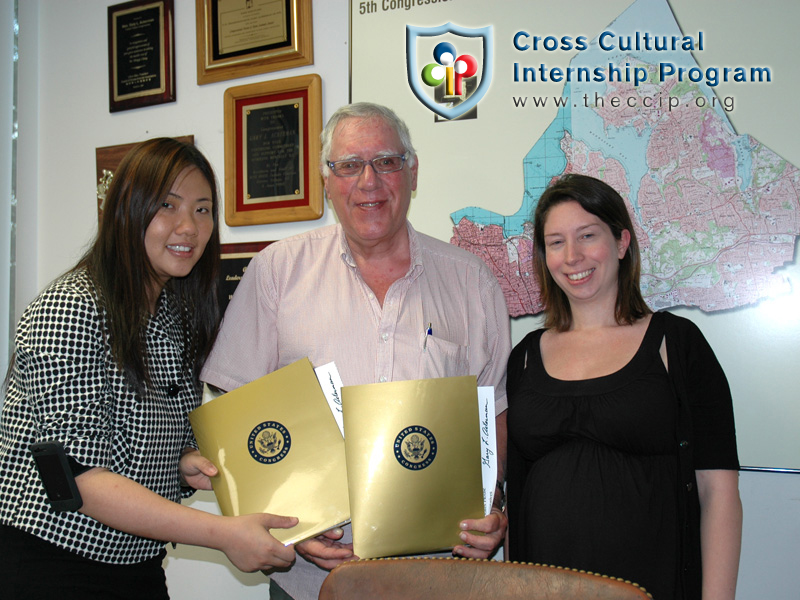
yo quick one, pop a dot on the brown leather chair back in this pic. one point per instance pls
(467, 579)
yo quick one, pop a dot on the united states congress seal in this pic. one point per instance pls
(269, 442)
(415, 447)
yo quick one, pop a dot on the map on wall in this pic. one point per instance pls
(695, 130)
(716, 213)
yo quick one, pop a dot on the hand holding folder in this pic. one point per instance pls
(413, 464)
(409, 470)
(278, 450)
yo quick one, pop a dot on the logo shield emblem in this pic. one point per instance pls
(487, 37)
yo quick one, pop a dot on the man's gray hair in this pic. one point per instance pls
(364, 110)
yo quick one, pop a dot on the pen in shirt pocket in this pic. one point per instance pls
(428, 333)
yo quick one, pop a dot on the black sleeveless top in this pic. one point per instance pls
(602, 468)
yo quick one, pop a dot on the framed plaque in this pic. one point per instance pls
(238, 38)
(107, 160)
(272, 151)
(141, 54)
(235, 258)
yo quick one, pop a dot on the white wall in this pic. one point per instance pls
(771, 536)
(6, 112)
(27, 275)
(64, 116)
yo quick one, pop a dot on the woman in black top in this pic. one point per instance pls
(622, 449)
(106, 362)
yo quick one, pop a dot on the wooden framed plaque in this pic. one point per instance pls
(141, 54)
(235, 258)
(238, 38)
(272, 150)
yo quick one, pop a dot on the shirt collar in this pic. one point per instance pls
(413, 245)
(344, 247)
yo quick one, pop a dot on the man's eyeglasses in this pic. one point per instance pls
(353, 167)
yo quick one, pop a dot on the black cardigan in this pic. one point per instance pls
(704, 399)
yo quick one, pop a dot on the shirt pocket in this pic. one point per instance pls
(441, 358)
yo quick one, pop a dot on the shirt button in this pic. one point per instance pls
(370, 295)
(382, 379)
(385, 337)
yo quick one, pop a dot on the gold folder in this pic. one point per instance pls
(413, 463)
(278, 450)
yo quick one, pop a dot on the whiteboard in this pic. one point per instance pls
(478, 162)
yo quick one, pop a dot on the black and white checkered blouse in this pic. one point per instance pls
(66, 386)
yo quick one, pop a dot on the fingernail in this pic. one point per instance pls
(463, 526)
(463, 536)
(338, 531)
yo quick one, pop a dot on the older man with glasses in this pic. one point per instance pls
(382, 301)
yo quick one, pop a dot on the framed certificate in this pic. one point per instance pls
(141, 54)
(235, 258)
(238, 38)
(272, 150)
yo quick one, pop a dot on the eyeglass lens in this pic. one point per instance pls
(355, 166)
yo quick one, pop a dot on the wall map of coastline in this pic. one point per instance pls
(716, 213)
(708, 167)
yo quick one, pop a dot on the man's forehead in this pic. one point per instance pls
(367, 127)
(371, 134)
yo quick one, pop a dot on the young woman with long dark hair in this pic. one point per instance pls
(106, 363)
(622, 450)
